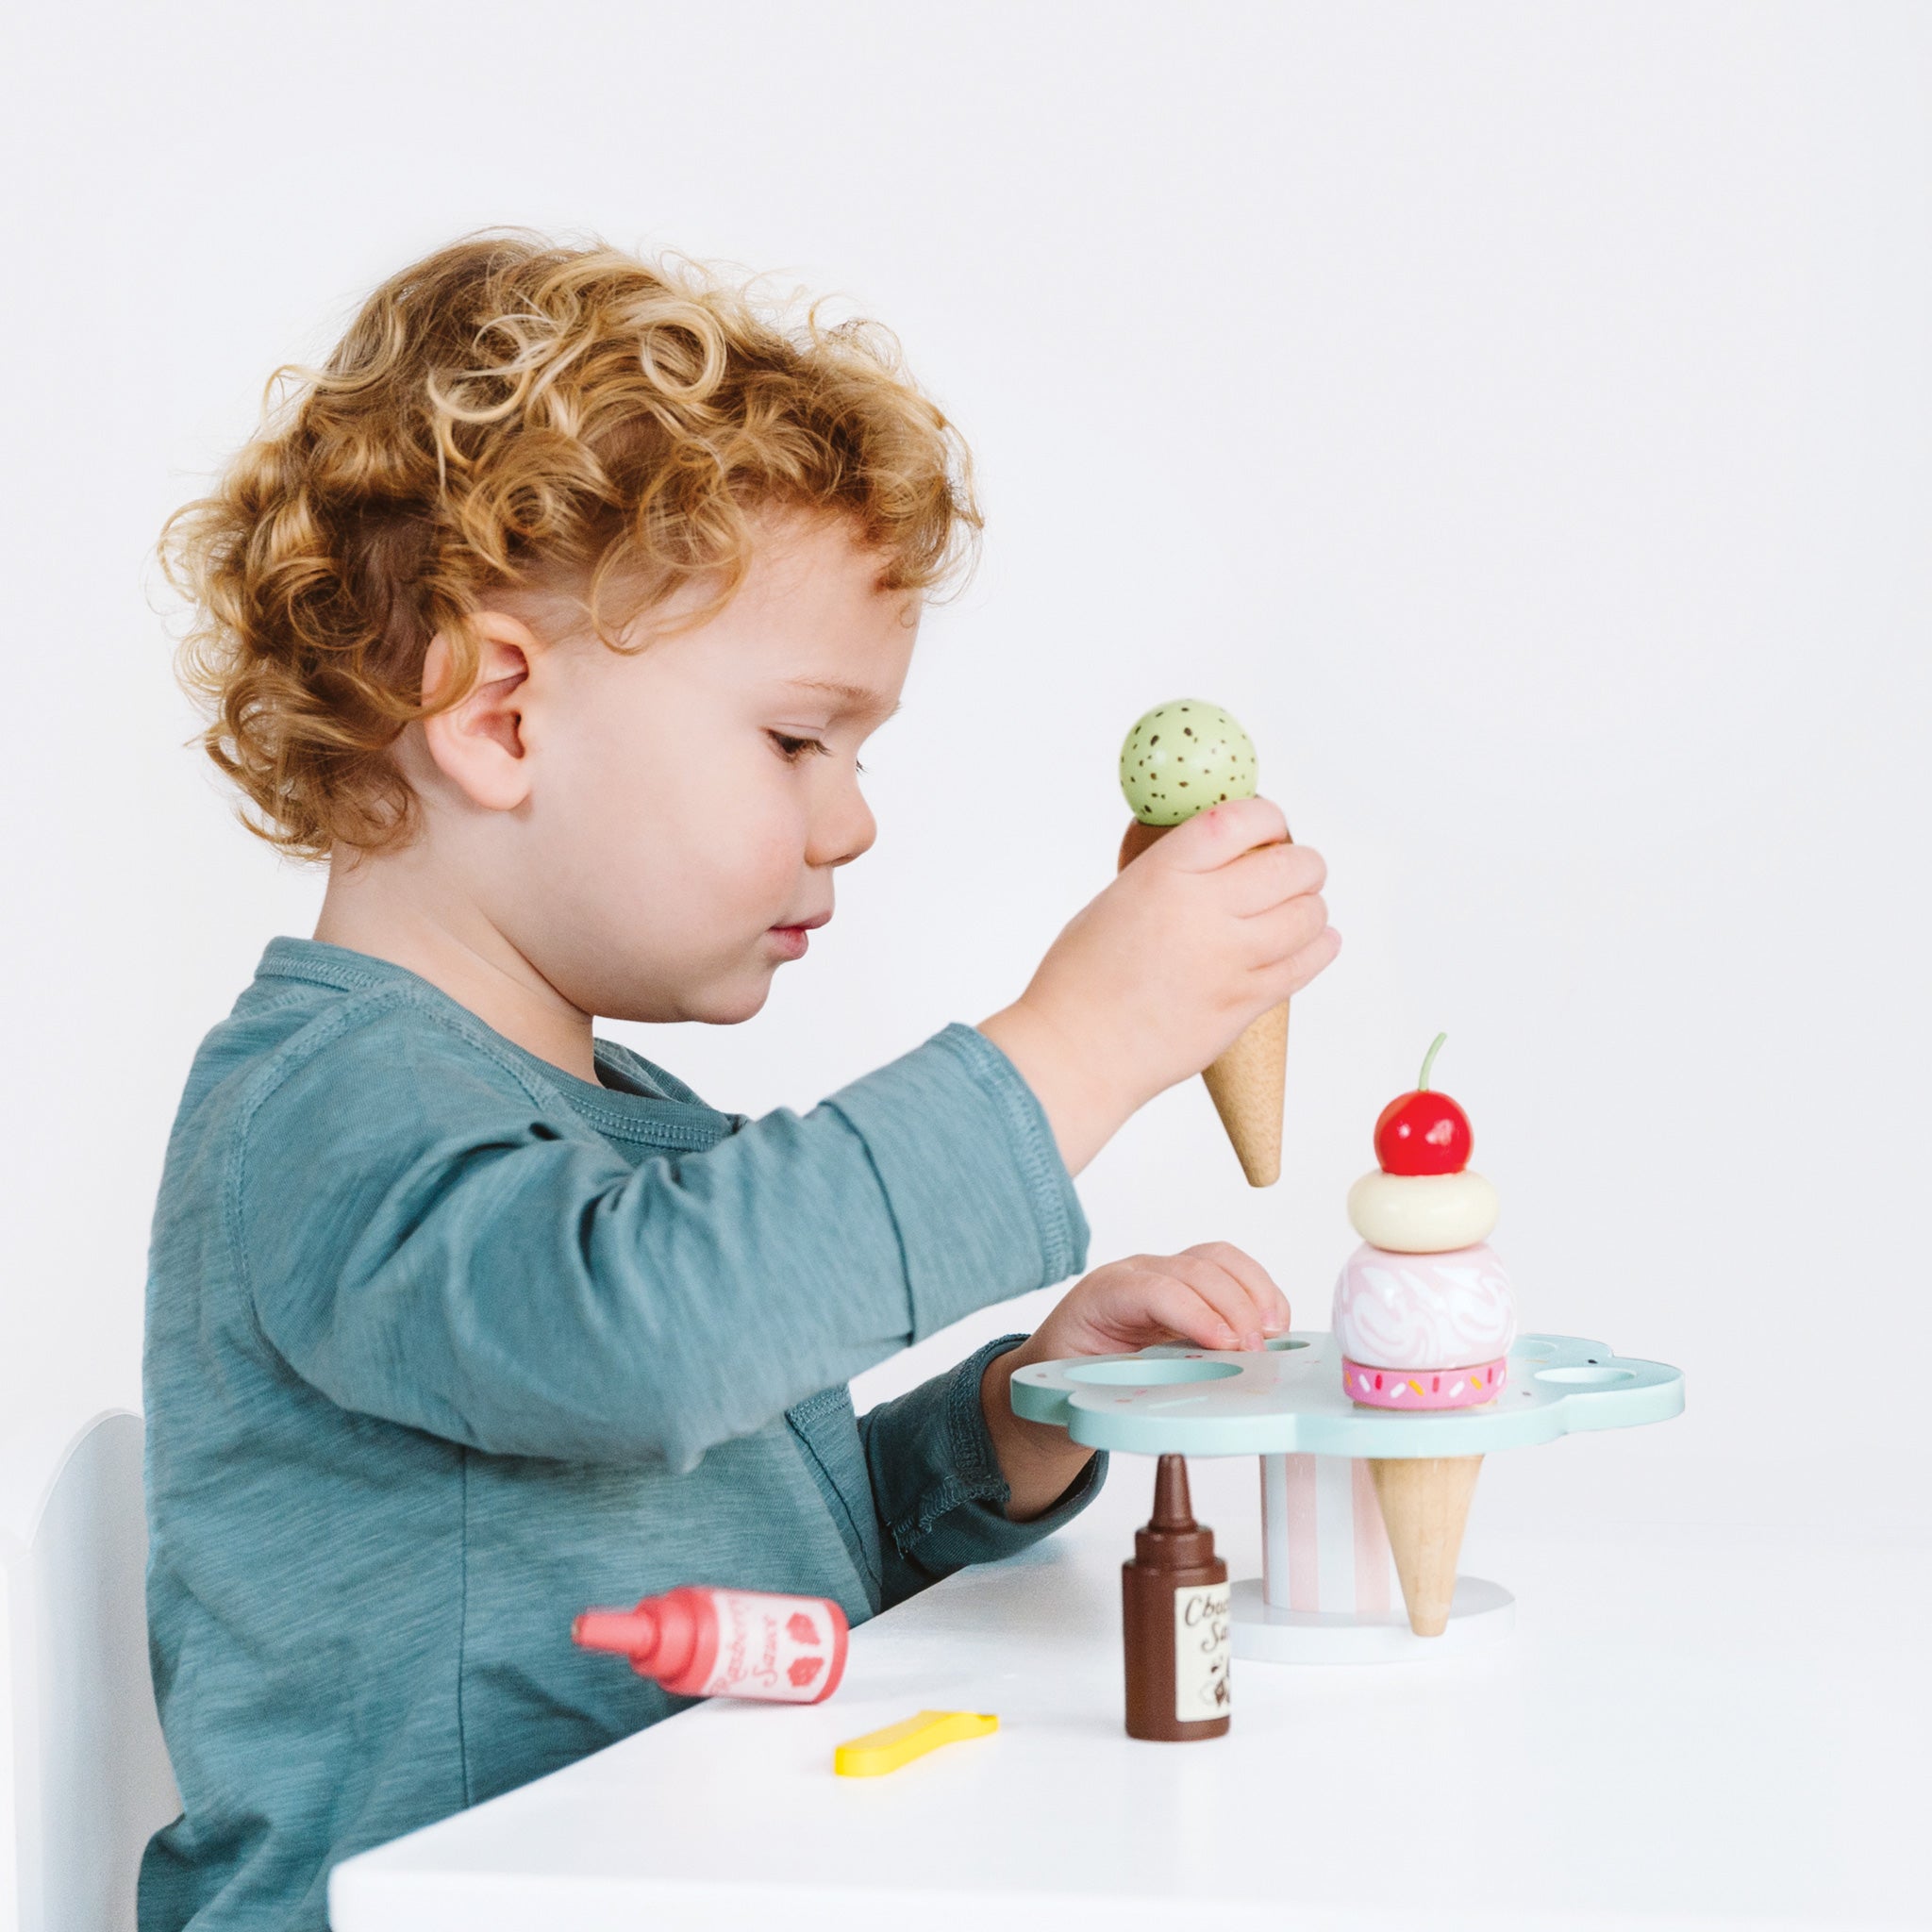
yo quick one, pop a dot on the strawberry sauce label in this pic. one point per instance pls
(779, 1647)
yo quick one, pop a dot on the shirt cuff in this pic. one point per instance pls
(960, 1517)
(983, 1203)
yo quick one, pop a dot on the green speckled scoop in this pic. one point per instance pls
(1181, 758)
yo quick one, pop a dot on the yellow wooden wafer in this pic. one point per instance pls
(878, 1752)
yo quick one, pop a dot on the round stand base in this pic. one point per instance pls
(1481, 1613)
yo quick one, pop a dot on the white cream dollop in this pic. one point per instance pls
(1423, 1213)
(1423, 1311)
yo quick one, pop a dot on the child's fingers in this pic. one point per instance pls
(1224, 1293)
(1269, 1302)
(1268, 877)
(1178, 1309)
(1212, 838)
(1287, 977)
(1283, 931)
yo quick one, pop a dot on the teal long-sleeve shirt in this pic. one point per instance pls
(445, 1344)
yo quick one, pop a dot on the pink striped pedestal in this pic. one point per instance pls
(1328, 1591)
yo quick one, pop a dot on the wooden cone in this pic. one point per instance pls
(1424, 1504)
(1249, 1081)
(1136, 839)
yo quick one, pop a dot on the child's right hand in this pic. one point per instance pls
(1201, 934)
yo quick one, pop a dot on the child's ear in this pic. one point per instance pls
(478, 742)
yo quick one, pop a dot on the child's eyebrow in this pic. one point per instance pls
(861, 698)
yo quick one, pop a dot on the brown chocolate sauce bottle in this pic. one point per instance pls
(1174, 1609)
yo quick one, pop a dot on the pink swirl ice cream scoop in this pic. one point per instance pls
(1423, 1311)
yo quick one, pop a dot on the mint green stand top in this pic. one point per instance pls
(1287, 1399)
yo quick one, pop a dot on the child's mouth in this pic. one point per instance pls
(793, 940)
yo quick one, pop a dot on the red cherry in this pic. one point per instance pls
(1424, 1132)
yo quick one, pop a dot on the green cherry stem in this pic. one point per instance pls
(1428, 1061)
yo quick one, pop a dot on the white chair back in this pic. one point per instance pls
(90, 1771)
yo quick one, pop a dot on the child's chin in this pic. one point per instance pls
(733, 1005)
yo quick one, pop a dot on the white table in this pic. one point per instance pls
(1683, 1731)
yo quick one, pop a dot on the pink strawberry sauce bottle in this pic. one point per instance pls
(701, 1642)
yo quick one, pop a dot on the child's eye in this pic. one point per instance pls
(793, 749)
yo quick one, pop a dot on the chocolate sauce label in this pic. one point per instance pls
(1202, 1646)
(771, 1646)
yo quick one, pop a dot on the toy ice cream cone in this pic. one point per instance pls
(1424, 1504)
(1180, 758)
(1424, 1316)
(1248, 1082)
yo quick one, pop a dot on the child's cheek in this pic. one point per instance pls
(755, 837)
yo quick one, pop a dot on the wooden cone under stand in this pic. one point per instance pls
(1424, 1504)
(1249, 1082)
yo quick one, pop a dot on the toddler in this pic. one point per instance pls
(552, 615)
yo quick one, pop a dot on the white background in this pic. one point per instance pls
(1517, 415)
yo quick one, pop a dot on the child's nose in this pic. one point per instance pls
(844, 830)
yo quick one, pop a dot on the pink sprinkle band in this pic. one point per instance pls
(1423, 1387)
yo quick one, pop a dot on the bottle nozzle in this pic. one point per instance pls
(1173, 1508)
(628, 1633)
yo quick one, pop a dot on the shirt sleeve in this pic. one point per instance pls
(424, 1240)
(937, 1486)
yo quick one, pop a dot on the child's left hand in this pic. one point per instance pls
(1212, 1295)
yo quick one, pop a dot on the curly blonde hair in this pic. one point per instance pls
(509, 410)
